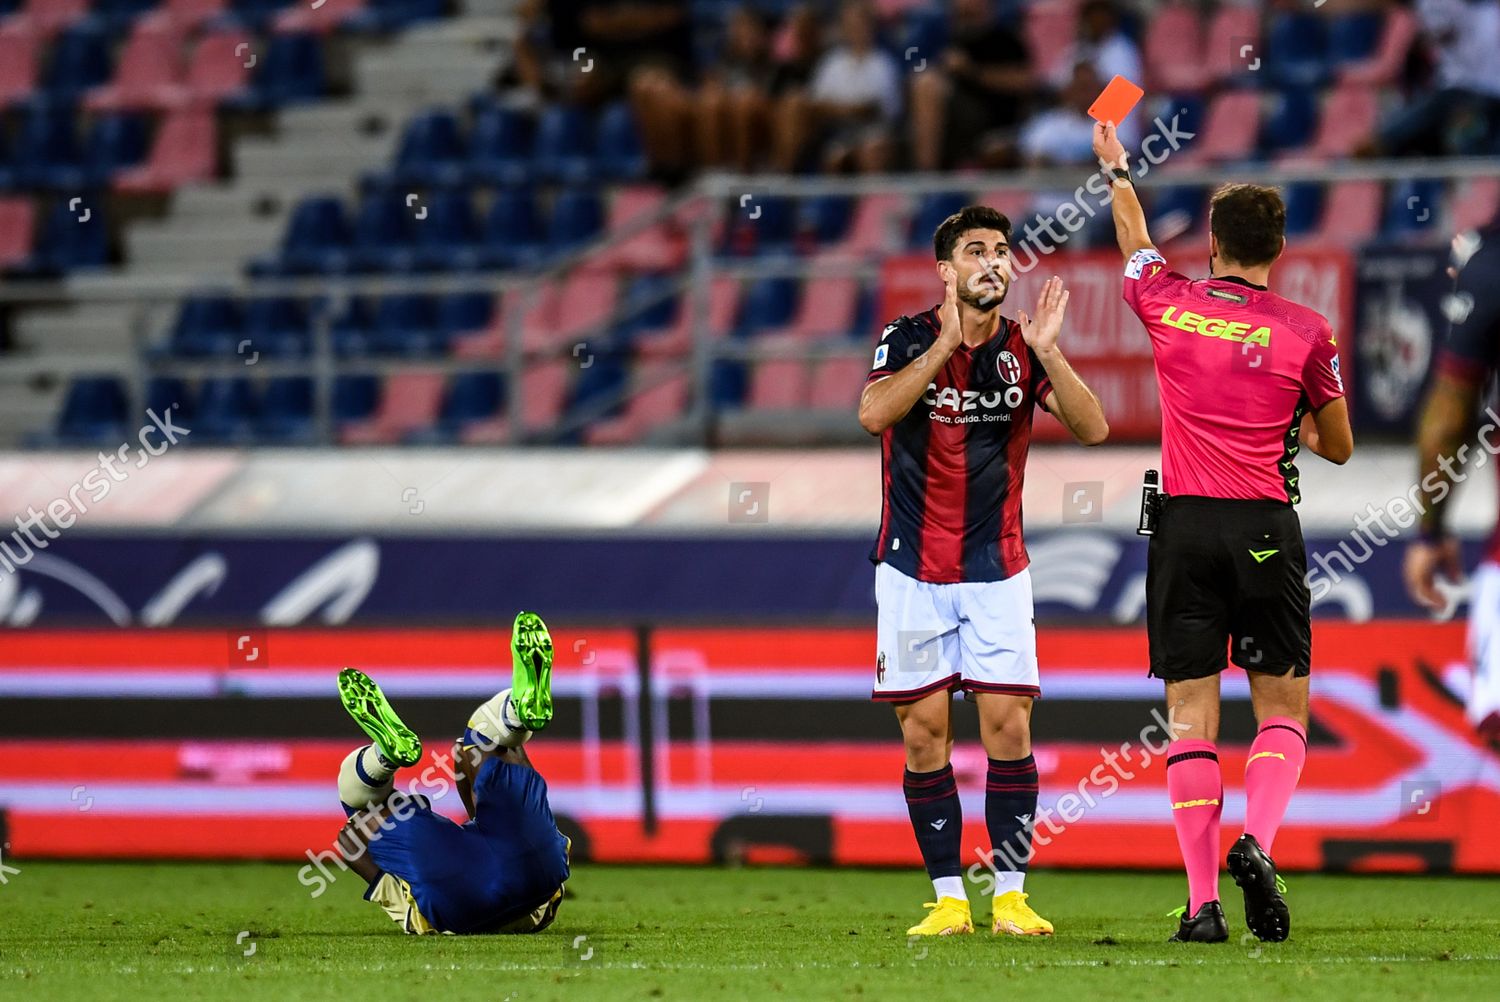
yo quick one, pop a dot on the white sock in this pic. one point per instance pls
(1008, 880)
(354, 791)
(949, 887)
(496, 722)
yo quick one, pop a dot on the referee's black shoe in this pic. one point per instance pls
(1208, 926)
(1265, 910)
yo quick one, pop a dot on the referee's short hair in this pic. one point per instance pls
(970, 217)
(1249, 221)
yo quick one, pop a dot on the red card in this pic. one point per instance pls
(1117, 101)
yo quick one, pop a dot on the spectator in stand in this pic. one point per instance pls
(1458, 113)
(1063, 136)
(798, 50)
(851, 106)
(1104, 44)
(969, 101)
(734, 104)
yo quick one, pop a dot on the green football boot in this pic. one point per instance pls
(372, 712)
(531, 671)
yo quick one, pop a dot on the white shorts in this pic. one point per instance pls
(974, 635)
(1484, 642)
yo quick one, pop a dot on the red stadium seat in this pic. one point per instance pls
(1014, 202)
(1231, 29)
(779, 384)
(411, 401)
(18, 65)
(17, 222)
(878, 227)
(1050, 30)
(1229, 130)
(827, 309)
(493, 431)
(1173, 47)
(586, 308)
(219, 67)
(488, 342)
(1352, 211)
(45, 18)
(303, 18)
(1349, 116)
(1385, 67)
(539, 317)
(185, 15)
(662, 396)
(544, 391)
(723, 303)
(657, 249)
(150, 72)
(1476, 202)
(837, 382)
(185, 152)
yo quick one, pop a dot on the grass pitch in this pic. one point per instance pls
(251, 932)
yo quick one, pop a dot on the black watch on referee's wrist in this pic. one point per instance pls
(1121, 176)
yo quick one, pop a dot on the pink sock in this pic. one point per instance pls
(1196, 788)
(1271, 774)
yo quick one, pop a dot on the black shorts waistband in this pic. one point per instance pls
(1233, 504)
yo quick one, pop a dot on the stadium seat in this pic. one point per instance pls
(255, 14)
(185, 151)
(353, 329)
(287, 412)
(410, 401)
(17, 225)
(355, 398)
(1049, 29)
(1172, 52)
(931, 211)
(879, 223)
(278, 327)
(1386, 65)
(463, 313)
(317, 240)
(826, 309)
(1351, 212)
(186, 15)
(43, 19)
(823, 221)
(657, 248)
(471, 397)
(544, 391)
(381, 16)
(384, 238)
(500, 148)
(1413, 208)
(119, 16)
(320, 20)
(1349, 117)
(1176, 211)
(723, 308)
(432, 151)
(1355, 36)
(621, 157)
(79, 61)
(837, 382)
(1476, 202)
(94, 410)
(226, 413)
(70, 240)
(488, 341)
(577, 220)
(150, 73)
(1229, 131)
(1233, 43)
(219, 68)
(169, 393)
(660, 394)
(761, 226)
(1292, 118)
(564, 150)
(406, 325)
(290, 71)
(779, 384)
(1296, 49)
(770, 304)
(46, 153)
(512, 235)
(18, 65)
(1304, 206)
(448, 238)
(207, 326)
(586, 307)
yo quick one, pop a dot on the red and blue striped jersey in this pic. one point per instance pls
(952, 469)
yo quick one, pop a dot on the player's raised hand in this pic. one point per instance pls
(1042, 332)
(1107, 146)
(952, 327)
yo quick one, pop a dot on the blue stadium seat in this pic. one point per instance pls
(500, 150)
(255, 14)
(115, 142)
(564, 145)
(393, 15)
(650, 304)
(286, 412)
(46, 149)
(931, 211)
(318, 240)
(208, 326)
(727, 382)
(406, 324)
(69, 241)
(825, 218)
(1292, 120)
(924, 29)
(577, 219)
(512, 231)
(621, 156)
(94, 410)
(1177, 209)
(353, 329)
(769, 303)
(602, 381)
(1355, 36)
(355, 398)
(448, 239)
(384, 238)
(1304, 208)
(80, 60)
(291, 72)
(119, 15)
(1296, 49)
(432, 151)
(763, 226)
(1414, 208)
(471, 397)
(226, 413)
(464, 312)
(277, 327)
(864, 313)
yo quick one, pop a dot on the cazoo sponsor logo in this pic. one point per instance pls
(952, 406)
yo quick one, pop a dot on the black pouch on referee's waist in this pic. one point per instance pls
(1152, 501)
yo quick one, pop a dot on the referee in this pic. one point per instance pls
(1247, 380)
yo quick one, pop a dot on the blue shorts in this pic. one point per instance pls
(488, 873)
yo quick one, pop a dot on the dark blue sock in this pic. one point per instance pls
(938, 819)
(1010, 810)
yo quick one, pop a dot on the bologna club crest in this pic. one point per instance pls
(1010, 368)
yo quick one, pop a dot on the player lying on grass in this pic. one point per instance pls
(501, 871)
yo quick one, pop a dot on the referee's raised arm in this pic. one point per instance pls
(1130, 218)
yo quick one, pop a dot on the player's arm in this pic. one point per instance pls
(887, 400)
(1447, 418)
(466, 762)
(1071, 401)
(1326, 432)
(1125, 205)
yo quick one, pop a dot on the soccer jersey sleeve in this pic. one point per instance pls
(1144, 270)
(1472, 348)
(1321, 379)
(899, 344)
(1041, 385)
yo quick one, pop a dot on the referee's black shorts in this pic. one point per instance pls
(1227, 575)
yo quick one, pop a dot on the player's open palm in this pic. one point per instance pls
(1041, 332)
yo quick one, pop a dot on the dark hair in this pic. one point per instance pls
(1249, 221)
(970, 217)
